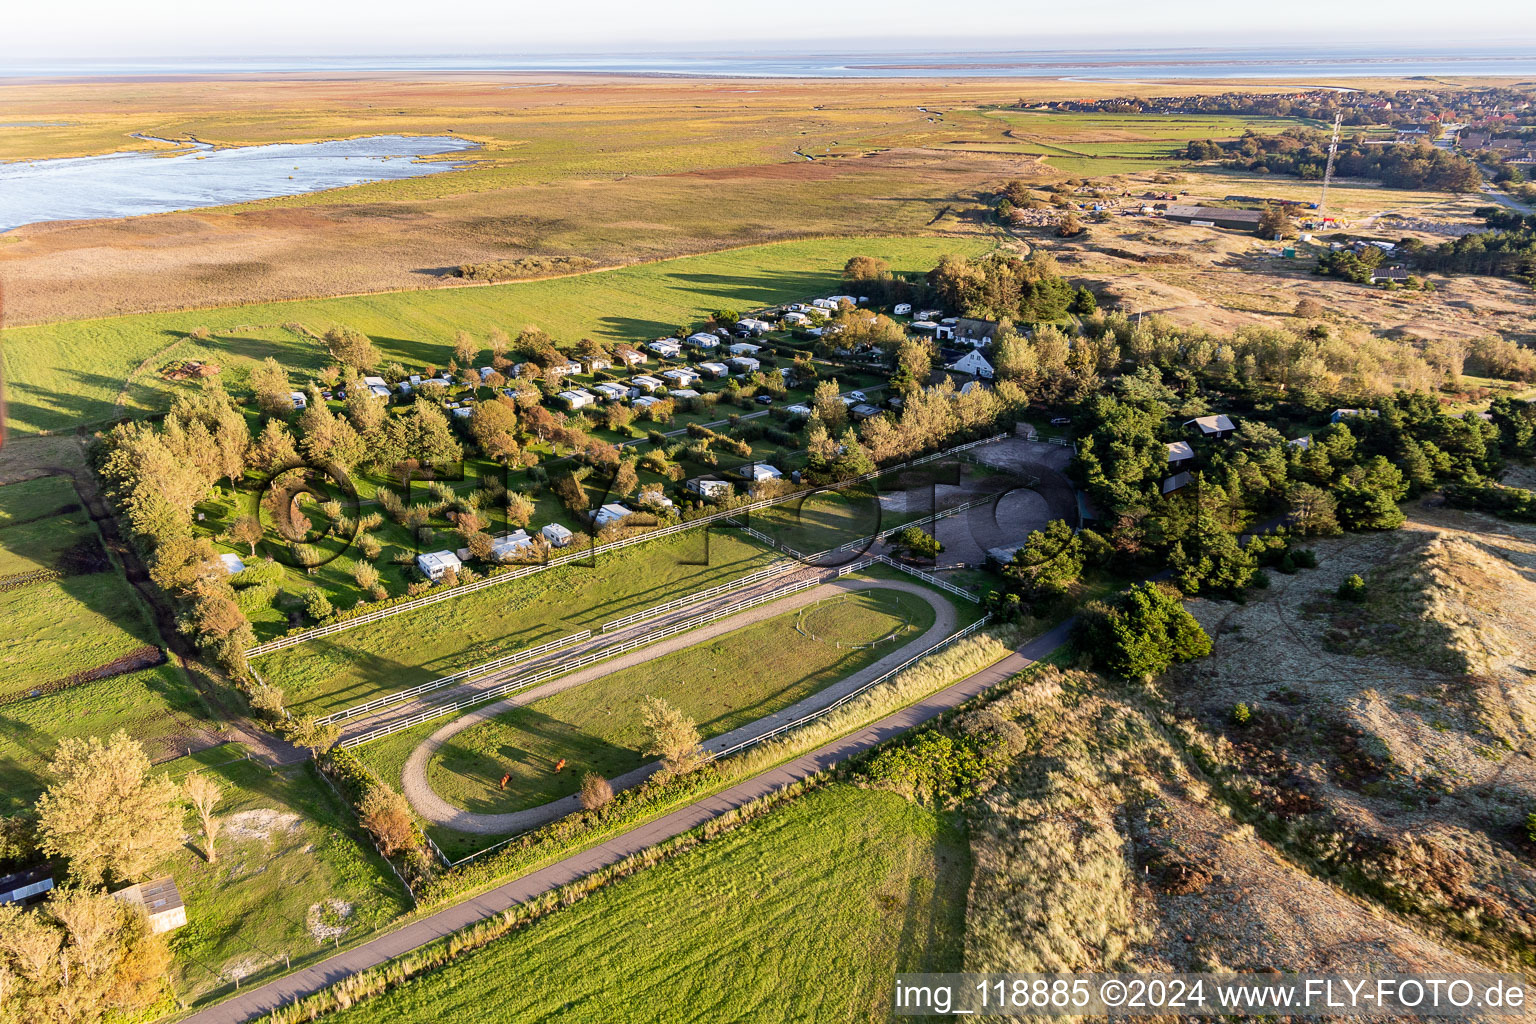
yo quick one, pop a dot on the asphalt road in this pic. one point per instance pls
(265, 998)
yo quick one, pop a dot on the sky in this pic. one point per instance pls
(84, 29)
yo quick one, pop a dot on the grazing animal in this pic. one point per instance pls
(504, 779)
(558, 765)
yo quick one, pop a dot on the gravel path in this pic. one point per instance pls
(265, 998)
(418, 790)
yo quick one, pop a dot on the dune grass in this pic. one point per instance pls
(86, 617)
(722, 684)
(417, 646)
(62, 375)
(803, 915)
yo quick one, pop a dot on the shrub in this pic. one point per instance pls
(1241, 715)
(385, 813)
(1141, 633)
(317, 606)
(596, 792)
(1352, 589)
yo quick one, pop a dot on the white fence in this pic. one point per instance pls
(935, 517)
(516, 657)
(702, 595)
(928, 577)
(379, 614)
(566, 667)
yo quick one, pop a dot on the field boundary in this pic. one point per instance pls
(378, 615)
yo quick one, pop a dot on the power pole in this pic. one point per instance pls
(1333, 153)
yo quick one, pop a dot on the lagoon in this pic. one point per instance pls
(198, 174)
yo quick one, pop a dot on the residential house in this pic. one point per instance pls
(598, 363)
(975, 333)
(579, 398)
(1217, 426)
(703, 342)
(753, 325)
(682, 375)
(864, 411)
(435, 564)
(1179, 453)
(744, 364)
(684, 393)
(631, 357)
(761, 471)
(644, 401)
(796, 319)
(665, 347)
(557, 535)
(1340, 415)
(462, 412)
(375, 382)
(714, 371)
(743, 348)
(160, 900)
(973, 363)
(1301, 442)
(1389, 275)
(647, 383)
(610, 514)
(611, 391)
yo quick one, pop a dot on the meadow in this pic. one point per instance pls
(722, 684)
(293, 877)
(846, 887)
(65, 375)
(348, 667)
(81, 619)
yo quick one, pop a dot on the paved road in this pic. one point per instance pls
(268, 997)
(418, 788)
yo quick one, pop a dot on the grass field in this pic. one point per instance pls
(85, 618)
(288, 847)
(157, 706)
(348, 667)
(59, 376)
(803, 916)
(721, 684)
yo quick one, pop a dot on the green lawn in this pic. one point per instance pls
(417, 646)
(87, 617)
(64, 374)
(722, 684)
(803, 916)
(288, 847)
(157, 706)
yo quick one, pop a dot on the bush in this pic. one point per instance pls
(317, 606)
(596, 792)
(1241, 715)
(1141, 633)
(933, 766)
(1352, 589)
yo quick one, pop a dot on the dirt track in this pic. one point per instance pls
(439, 811)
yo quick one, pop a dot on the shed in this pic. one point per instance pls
(557, 535)
(25, 886)
(435, 564)
(160, 900)
(1214, 216)
(1219, 425)
(864, 411)
(1176, 481)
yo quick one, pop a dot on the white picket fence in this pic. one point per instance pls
(474, 671)
(703, 595)
(613, 651)
(379, 614)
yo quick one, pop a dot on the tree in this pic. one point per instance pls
(352, 347)
(498, 342)
(673, 737)
(494, 428)
(314, 737)
(204, 794)
(625, 479)
(866, 268)
(1084, 303)
(1312, 511)
(596, 791)
(1048, 564)
(827, 404)
(247, 530)
(385, 813)
(105, 813)
(274, 449)
(1274, 222)
(918, 543)
(365, 576)
(269, 383)
(1142, 633)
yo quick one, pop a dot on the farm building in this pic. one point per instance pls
(1214, 217)
(160, 900)
(708, 486)
(25, 886)
(434, 564)
(1179, 452)
(973, 363)
(703, 342)
(744, 364)
(610, 514)
(1217, 426)
(510, 546)
(232, 563)
(557, 535)
(714, 371)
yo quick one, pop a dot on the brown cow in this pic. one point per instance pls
(504, 780)
(558, 765)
